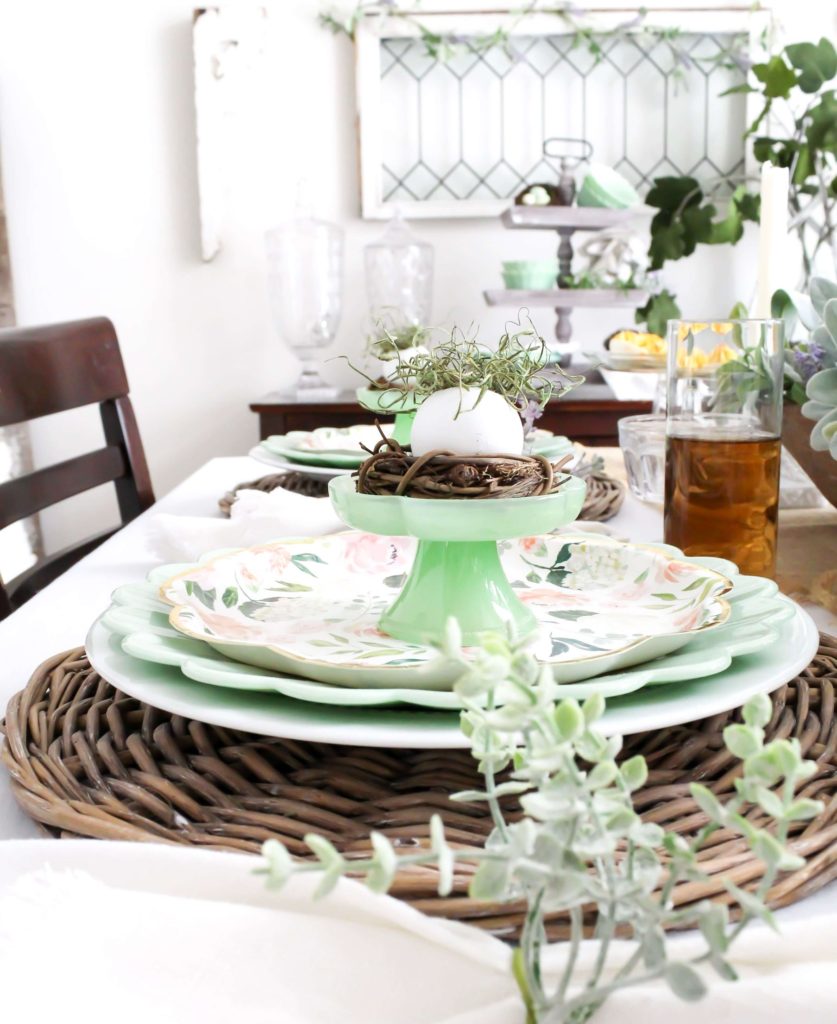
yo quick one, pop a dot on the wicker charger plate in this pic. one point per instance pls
(88, 761)
(603, 500)
(310, 486)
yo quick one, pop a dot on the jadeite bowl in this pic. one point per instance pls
(401, 404)
(604, 187)
(535, 275)
(456, 519)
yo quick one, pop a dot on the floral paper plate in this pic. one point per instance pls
(334, 440)
(652, 707)
(140, 619)
(338, 447)
(311, 607)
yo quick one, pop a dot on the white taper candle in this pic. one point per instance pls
(773, 235)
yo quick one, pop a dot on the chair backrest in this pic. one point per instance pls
(45, 370)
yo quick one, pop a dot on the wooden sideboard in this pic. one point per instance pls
(588, 415)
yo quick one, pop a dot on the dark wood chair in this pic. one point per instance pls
(45, 370)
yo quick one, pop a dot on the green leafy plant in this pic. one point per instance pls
(657, 311)
(797, 79)
(579, 842)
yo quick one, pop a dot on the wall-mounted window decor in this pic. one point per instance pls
(460, 135)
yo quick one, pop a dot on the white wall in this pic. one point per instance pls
(98, 147)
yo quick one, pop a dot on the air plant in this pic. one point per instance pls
(519, 369)
(471, 396)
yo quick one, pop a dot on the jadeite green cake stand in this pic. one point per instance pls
(457, 570)
(401, 404)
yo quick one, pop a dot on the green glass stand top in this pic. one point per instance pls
(400, 403)
(457, 570)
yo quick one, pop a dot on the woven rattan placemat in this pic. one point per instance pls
(88, 761)
(603, 500)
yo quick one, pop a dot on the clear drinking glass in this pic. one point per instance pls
(723, 447)
(643, 443)
(305, 281)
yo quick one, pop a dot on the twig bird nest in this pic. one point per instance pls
(439, 474)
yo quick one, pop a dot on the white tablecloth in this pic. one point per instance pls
(174, 934)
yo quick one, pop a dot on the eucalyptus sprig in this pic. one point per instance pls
(579, 842)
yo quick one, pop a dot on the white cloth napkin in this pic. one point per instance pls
(94, 932)
(255, 518)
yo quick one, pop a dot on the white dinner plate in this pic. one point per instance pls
(654, 707)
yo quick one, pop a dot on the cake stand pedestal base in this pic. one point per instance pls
(460, 579)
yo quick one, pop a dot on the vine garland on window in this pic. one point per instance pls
(573, 20)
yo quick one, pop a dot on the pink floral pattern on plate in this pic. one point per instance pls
(320, 599)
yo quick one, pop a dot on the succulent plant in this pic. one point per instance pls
(813, 364)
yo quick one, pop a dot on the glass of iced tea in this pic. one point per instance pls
(723, 440)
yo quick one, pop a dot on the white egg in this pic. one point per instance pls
(489, 426)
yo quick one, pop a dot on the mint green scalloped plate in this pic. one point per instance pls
(140, 619)
(653, 707)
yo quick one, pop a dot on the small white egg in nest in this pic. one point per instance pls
(483, 426)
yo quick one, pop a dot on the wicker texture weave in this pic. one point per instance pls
(603, 499)
(441, 474)
(299, 483)
(88, 761)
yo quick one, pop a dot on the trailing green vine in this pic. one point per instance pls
(577, 844)
(573, 20)
(519, 367)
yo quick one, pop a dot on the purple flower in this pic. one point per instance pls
(809, 360)
(530, 410)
